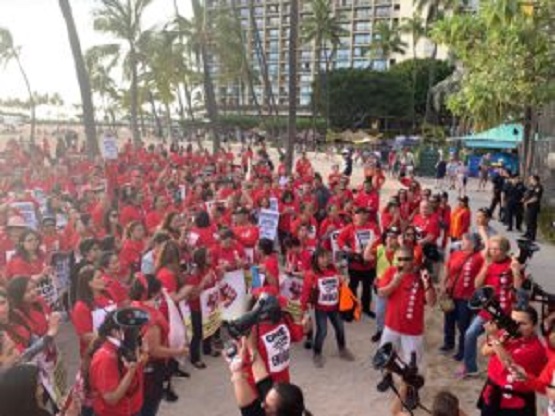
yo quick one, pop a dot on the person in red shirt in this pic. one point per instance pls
(228, 254)
(506, 394)
(245, 232)
(52, 240)
(303, 167)
(146, 292)
(426, 223)
(268, 265)
(407, 293)
(391, 216)
(115, 384)
(116, 287)
(131, 206)
(321, 292)
(458, 284)
(201, 277)
(8, 241)
(504, 275)
(111, 225)
(29, 260)
(159, 210)
(368, 198)
(460, 219)
(203, 232)
(353, 239)
(132, 248)
(93, 303)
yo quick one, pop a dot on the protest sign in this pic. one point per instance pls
(364, 237)
(277, 343)
(27, 212)
(233, 295)
(109, 147)
(211, 311)
(268, 221)
(274, 204)
(291, 287)
(328, 291)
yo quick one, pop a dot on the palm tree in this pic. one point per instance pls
(9, 52)
(122, 20)
(322, 28)
(292, 119)
(83, 78)
(386, 42)
(414, 26)
(433, 10)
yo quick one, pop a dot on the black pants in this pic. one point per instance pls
(154, 376)
(322, 329)
(196, 338)
(366, 277)
(513, 214)
(496, 200)
(532, 222)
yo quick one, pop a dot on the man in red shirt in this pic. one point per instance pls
(368, 198)
(427, 223)
(407, 293)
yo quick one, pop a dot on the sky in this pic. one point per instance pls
(38, 27)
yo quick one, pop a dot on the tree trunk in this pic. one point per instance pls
(134, 95)
(209, 96)
(414, 75)
(168, 121)
(292, 120)
(180, 104)
(431, 80)
(142, 120)
(32, 104)
(189, 100)
(159, 131)
(83, 78)
(527, 137)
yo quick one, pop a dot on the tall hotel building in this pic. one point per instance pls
(356, 17)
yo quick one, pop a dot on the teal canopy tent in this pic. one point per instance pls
(505, 136)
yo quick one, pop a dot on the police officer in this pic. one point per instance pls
(532, 204)
(513, 194)
(498, 182)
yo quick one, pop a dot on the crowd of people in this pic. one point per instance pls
(150, 241)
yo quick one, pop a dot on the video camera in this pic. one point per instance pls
(484, 299)
(266, 308)
(527, 248)
(386, 358)
(130, 320)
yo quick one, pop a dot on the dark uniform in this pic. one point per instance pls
(533, 210)
(514, 193)
(498, 182)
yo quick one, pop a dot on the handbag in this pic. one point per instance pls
(445, 301)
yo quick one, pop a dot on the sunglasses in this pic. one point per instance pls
(404, 259)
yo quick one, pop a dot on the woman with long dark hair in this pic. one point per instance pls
(28, 260)
(111, 225)
(133, 248)
(146, 293)
(92, 304)
(171, 224)
(116, 284)
(114, 383)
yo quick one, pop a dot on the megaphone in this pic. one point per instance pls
(484, 299)
(130, 320)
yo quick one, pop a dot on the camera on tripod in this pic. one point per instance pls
(387, 359)
(484, 299)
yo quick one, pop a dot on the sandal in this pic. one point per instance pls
(199, 365)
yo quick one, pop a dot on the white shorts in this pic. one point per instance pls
(403, 344)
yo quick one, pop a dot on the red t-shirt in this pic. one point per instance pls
(500, 277)
(246, 235)
(405, 305)
(105, 375)
(463, 270)
(18, 266)
(428, 226)
(82, 319)
(130, 255)
(325, 287)
(272, 267)
(526, 353)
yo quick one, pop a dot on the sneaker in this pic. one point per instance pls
(462, 374)
(346, 354)
(385, 383)
(458, 357)
(318, 360)
(444, 349)
(370, 314)
(376, 337)
(170, 395)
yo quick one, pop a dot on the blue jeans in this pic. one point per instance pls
(381, 304)
(321, 318)
(471, 343)
(459, 317)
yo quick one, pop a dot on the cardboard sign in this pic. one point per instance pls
(28, 213)
(364, 237)
(109, 148)
(291, 287)
(328, 291)
(233, 295)
(211, 311)
(268, 221)
(61, 265)
(274, 204)
(278, 344)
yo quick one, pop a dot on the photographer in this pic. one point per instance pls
(504, 394)
(503, 274)
(268, 399)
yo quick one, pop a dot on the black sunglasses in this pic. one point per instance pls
(404, 259)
